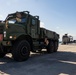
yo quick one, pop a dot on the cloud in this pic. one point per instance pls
(42, 24)
(1, 17)
(60, 37)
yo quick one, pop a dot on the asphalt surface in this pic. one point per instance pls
(61, 63)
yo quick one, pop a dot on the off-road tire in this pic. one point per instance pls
(2, 55)
(21, 50)
(50, 47)
(55, 46)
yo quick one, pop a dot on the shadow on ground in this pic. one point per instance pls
(41, 64)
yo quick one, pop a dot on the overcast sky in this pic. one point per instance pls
(56, 15)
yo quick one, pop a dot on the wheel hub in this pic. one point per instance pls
(24, 51)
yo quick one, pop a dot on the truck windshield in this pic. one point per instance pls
(12, 21)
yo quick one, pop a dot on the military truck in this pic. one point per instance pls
(67, 39)
(20, 39)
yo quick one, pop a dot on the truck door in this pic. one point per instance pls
(34, 28)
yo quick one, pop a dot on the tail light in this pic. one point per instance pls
(1, 37)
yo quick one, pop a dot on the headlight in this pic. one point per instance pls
(10, 37)
(4, 33)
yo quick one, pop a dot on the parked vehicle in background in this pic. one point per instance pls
(67, 39)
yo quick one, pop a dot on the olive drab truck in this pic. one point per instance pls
(20, 39)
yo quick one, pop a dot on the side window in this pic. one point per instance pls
(33, 22)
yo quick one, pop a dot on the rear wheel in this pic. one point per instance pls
(50, 47)
(56, 46)
(21, 50)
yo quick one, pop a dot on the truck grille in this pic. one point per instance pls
(1, 29)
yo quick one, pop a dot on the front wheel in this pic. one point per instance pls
(2, 53)
(21, 50)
